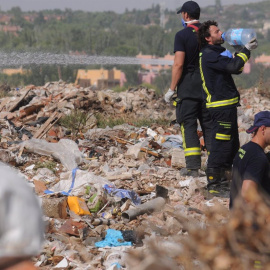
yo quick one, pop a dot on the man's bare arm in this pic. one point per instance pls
(177, 68)
(248, 185)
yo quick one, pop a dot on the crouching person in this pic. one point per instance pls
(251, 167)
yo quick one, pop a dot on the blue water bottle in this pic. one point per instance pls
(239, 36)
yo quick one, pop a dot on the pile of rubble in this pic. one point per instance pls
(113, 198)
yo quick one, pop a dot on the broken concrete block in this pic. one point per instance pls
(5, 156)
(55, 207)
(178, 158)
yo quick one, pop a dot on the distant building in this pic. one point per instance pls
(263, 59)
(5, 18)
(146, 76)
(100, 78)
(165, 62)
(30, 17)
(13, 29)
(151, 70)
(12, 71)
(54, 17)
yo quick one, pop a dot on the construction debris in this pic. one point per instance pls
(113, 197)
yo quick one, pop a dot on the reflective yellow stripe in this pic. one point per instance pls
(183, 135)
(227, 125)
(243, 56)
(222, 103)
(241, 69)
(208, 99)
(223, 137)
(213, 191)
(257, 265)
(194, 151)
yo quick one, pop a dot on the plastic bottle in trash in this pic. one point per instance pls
(239, 36)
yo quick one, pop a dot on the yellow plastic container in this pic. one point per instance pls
(78, 206)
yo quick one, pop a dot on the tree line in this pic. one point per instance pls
(112, 34)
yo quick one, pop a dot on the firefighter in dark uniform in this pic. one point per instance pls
(222, 99)
(251, 167)
(190, 106)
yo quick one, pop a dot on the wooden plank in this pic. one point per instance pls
(44, 126)
(51, 125)
(15, 106)
(143, 149)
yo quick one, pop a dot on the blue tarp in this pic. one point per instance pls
(122, 193)
(113, 238)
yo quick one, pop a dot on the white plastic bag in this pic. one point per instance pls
(65, 150)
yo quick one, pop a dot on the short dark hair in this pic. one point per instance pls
(194, 16)
(204, 32)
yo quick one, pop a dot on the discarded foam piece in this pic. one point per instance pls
(146, 208)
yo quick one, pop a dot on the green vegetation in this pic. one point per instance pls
(76, 121)
(107, 120)
(119, 89)
(51, 165)
(4, 94)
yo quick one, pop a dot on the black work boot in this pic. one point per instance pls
(213, 176)
(217, 184)
(189, 172)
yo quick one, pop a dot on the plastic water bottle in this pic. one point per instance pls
(239, 36)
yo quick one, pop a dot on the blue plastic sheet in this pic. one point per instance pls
(122, 193)
(113, 238)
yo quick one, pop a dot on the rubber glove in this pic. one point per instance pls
(168, 95)
(253, 44)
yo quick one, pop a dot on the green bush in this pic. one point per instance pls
(105, 120)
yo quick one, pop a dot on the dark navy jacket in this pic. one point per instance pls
(216, 73)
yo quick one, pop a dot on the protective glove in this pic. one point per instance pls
(168, 95)
(253, 44)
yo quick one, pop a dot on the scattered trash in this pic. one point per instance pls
(123, 178)
(121, 193)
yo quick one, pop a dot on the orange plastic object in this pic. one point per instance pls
(78, 206)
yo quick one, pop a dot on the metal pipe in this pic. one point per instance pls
(146, 208)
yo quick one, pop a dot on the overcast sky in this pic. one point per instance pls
(118, 6)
